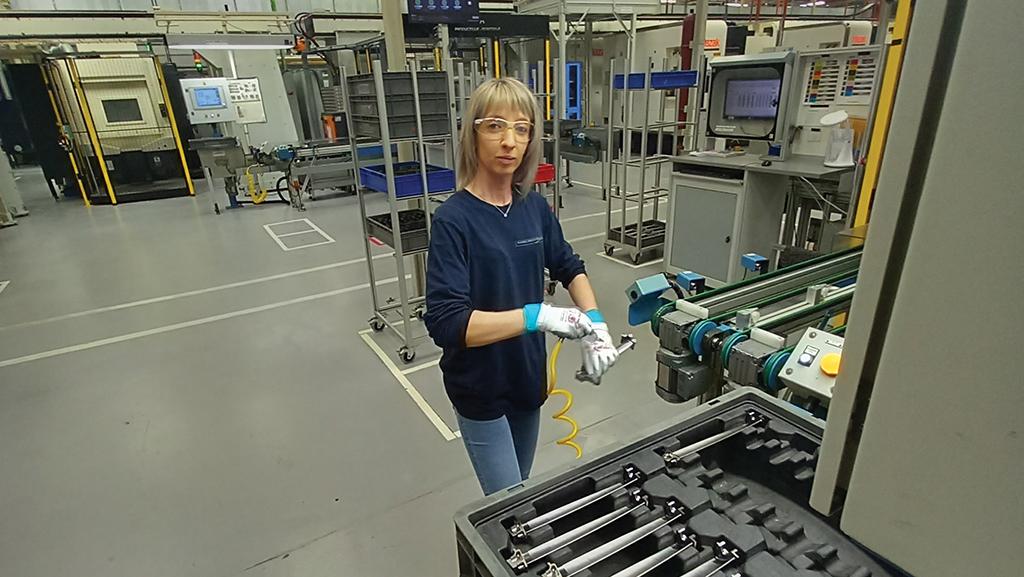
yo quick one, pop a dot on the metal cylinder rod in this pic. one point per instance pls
(685, 539)
(598, 554)
(678, 454)
(520, 560)
(630, 476)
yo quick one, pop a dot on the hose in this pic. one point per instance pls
(561, 415)
(257, 197)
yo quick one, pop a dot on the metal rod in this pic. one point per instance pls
(452, 112)
(752, 419)
(359, 188)
(643, 154)
(630, 475)
(520, 560)
(396, 225)
(609, 154)
(421, 149)
(598, 554)
(686, 539)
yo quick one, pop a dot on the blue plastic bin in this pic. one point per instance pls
(660, 80)
(407, 179)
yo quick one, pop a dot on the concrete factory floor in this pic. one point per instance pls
(179, 396)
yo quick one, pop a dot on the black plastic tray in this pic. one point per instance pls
(652, 234)
(752, 490)
(414, 229)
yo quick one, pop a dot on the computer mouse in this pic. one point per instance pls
(766, 163)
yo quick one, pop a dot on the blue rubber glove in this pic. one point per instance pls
(563, 322)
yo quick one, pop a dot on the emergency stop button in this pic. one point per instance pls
(830, 364)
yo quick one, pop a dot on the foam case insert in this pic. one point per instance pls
(750, 490)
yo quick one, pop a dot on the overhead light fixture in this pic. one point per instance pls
(231, 41)
(734, 4)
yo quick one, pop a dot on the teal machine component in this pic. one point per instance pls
(742, 334)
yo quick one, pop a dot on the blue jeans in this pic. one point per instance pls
(502, 449)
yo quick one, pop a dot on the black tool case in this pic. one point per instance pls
(745, 496)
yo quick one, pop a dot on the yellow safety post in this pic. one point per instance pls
(883, 114)
(60, 127)
(547, 76)
(174, 126)
(497, 59)
(91, 129)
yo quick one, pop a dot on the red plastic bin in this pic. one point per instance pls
(545, 173)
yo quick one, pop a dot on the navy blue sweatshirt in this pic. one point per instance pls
(481, 260)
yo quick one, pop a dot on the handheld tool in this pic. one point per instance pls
(751, 418)
(520, 560)
(685, 539)
(630, 475)
(725, 554)
(673, 511)
(626, 342)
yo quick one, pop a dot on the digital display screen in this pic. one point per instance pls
(208, 97)
(447, 11)
(752, 98)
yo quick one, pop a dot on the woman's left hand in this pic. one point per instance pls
(599, 351)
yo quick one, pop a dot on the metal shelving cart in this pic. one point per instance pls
(388, 227)
(640, 235)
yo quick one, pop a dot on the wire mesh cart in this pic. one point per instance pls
(640, 235)
(400, 108)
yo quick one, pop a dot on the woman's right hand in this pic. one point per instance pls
(563, 322)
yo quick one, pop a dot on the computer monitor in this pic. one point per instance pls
(208, 97)
(748, 98)
(443, 11)
(752, 98)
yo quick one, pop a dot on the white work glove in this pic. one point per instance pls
(567, 323)
(599, 352)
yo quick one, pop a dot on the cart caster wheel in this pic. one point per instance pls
(635, 258)
(376, 324)
(419, 312)
(407, 355)
(550, 289)
(609, 250)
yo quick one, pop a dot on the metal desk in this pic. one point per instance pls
(721, 208)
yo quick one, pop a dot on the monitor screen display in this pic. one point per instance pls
(208, 97)
(752, 98)
(447, 11)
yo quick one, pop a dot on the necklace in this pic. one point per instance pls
(504, 213)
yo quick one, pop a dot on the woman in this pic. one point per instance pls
(489, 245)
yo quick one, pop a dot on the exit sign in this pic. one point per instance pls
(597, 52)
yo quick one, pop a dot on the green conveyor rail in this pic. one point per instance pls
(773, 274)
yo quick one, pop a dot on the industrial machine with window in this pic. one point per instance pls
(118, 124)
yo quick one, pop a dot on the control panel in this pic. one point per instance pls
(812, 367)
(208, 101)
(247, 99)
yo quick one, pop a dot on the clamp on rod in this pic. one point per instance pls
(725, 554)
(751, 418)
(626, 342)
(630, 474)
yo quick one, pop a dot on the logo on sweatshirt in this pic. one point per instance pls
(529, 241)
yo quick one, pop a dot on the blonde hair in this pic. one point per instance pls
(499, 93)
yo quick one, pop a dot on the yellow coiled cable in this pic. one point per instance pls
(257, 197)
(561, 415)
